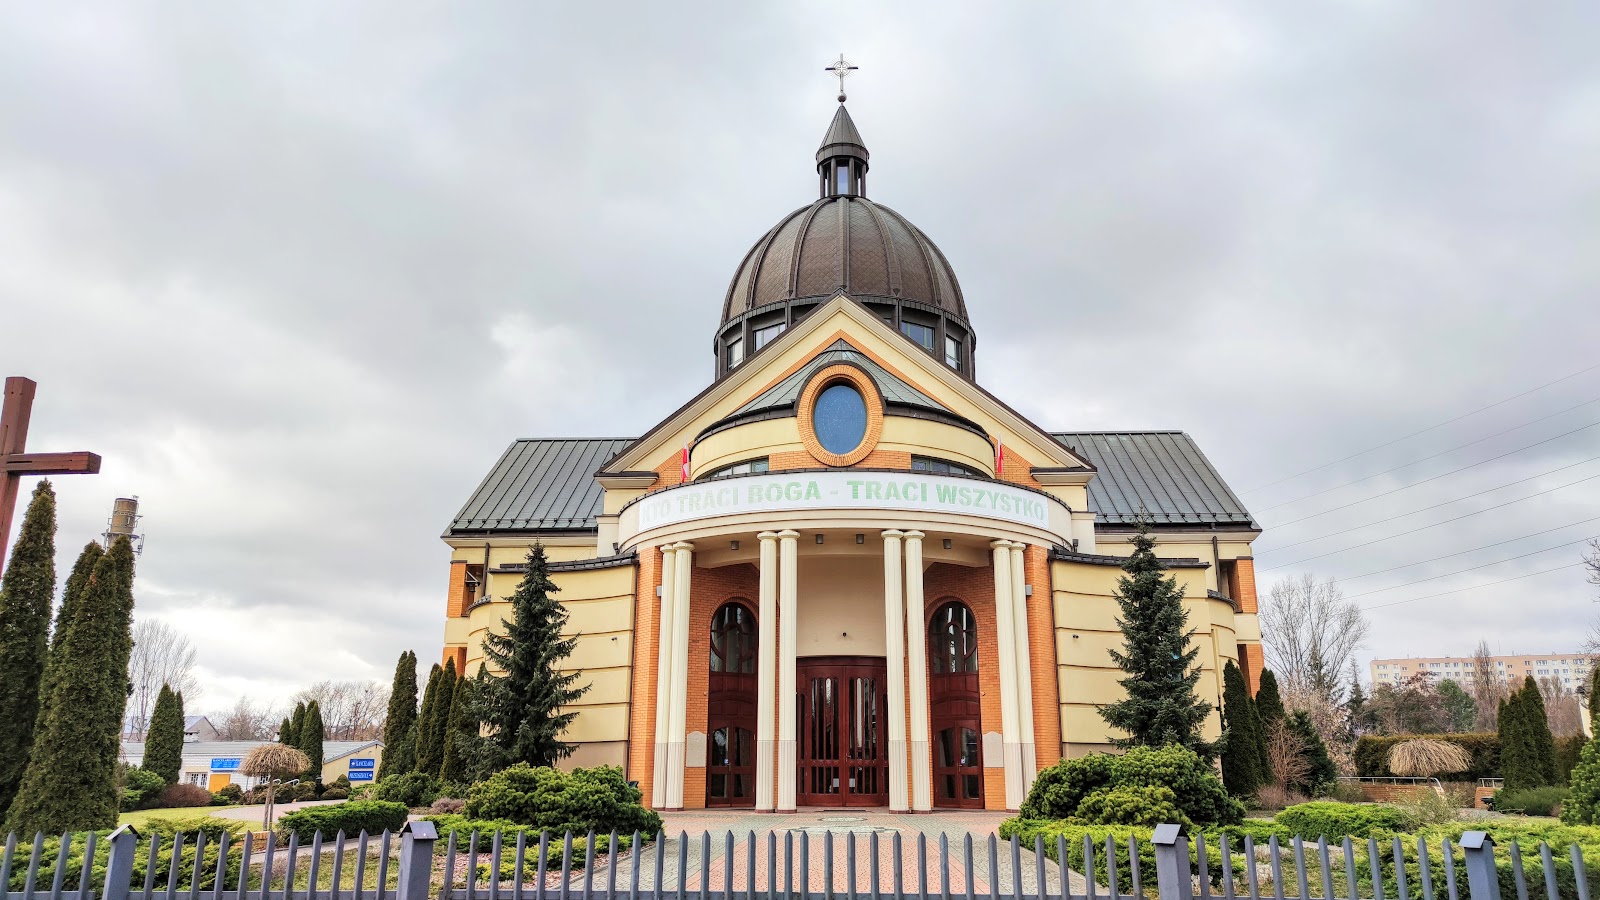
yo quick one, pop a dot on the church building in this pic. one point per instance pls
(845, 574)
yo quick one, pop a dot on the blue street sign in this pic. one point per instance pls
(225, 764)
(363, 764)
(361, 775)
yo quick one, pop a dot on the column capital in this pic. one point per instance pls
(893, 534)
(788, 534)
(767, 536)
(1000, 544)
(683, 545)
(914, 535)
(1018, 545)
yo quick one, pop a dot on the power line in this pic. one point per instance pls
(1426, 458)
(1426, 527)
(1473, 587)
(1407, 487)
(1473, 568)
(1423, 431)
(1521, 537)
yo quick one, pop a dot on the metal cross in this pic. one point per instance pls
(841, 67)
(16, 462)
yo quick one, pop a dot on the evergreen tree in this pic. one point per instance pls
(439, 725)
(163, 746)
(427, 759)
(25, 594)
(400, 725)
(1358, 719)
(297, 722)
(310, 735)
(1161, 707)
(1242, 765)
(286, 732)
(1269, 703)
(1321, 773)
(1538, 729)
(1594, 698)
(1458, 705)
(71, 783)
(460, 735)
(522, 707)
(1527, 750)
(71, 602)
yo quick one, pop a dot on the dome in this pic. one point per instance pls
(845, 243)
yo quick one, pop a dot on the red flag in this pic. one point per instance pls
(999, 457)
(685, 473)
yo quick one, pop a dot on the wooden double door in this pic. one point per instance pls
(843, 746)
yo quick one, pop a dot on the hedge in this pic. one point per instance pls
(1372, 754)
(1333, 820)
(371, 816)
(161, 829)
(464, 830)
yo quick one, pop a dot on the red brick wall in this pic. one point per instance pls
(708, 590)
(455, 605)
(975, 587)
(1042, 657)
(1252, 659)
(646, 640)
(1244, 574)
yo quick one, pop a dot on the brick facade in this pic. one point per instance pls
(708, 590)
(975, 587)
(644, 696)
(455, 604)
(1042, 657)
(1244, 587)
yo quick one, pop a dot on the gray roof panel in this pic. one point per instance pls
(894, 390)
(1161, 474)
(543, 484)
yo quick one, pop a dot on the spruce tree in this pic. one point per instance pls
(1242, 765)
(163, 745)
(310, 735)
(400, 725)
(460, 735)
(1161, 707)
(71, 783)
(1269, 703)
(522, 707)
(25, 593)
(427, 760)
(1357, 716)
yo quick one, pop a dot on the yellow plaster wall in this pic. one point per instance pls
(900, 434)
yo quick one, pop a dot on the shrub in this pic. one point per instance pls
(463, 829)
(1335, 820)
(599, 798)
(1372, 752)
(1132, 805)
(372, 816)
(448, 806)
(413, 789)
(1569, 750)
(1583, 806)
(140, 788)
(334, 793)
(228, 795)
(1540, 801)
(1276, 796)
(180, 795)
(1197, 792)
(1350, 792)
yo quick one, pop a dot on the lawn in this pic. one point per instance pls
(176, 814)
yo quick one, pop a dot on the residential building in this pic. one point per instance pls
(1570, 669)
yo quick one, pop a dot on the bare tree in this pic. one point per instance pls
(246, 720)
(1591, 561)
(161, 655)
(1560, 707)
(351, 710)
(1488, 688)
(1310, 633)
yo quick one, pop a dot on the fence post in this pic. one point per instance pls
(119, 864)
(416, 860)
(1172, 862)
(1482, 879)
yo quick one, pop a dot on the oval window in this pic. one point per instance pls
(839, 418)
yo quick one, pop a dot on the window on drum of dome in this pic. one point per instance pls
(922, 334)
(735, 352)
(767, 335)
(842, 178)
(748, 467)
(839, 418)
(733, 640)
(939, 466)
(952, 352)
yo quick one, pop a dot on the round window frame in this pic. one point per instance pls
(840, 373)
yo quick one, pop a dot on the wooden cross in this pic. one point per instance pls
(16, 462)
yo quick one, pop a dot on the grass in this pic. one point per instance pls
(174, 814)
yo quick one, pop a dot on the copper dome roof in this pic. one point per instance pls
(849, 244)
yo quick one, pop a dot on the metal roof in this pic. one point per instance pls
(133, 751)
(787, 392)
(1159, 474)
(544, 484)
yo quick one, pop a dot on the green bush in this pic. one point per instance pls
(1198, 794)
(463, 828)
(1371, 754)
(414, 789)
(140, 787)
(50, 858)
(1145, 805)
(371, 816)
(599, 798)
(1540, 801)
(1569, 750)
(1583, 805)
(175, 796)
(334, 793)
(1336, 820)
(228, 795)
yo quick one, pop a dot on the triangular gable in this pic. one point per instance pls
(862, 331)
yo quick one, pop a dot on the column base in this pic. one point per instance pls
(766, 752)
(921, 777)
(786, 776)
(675, 751)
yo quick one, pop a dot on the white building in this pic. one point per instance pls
(1570, 669)
(215, 764)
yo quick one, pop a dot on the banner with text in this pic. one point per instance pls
(908, 492)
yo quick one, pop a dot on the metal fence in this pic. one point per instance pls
(792, 865)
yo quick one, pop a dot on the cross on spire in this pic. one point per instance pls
(16, 462)
(841, 67)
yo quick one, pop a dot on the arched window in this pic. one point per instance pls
(953, 640)
(733, 640)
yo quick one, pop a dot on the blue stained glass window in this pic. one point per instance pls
(839, 418)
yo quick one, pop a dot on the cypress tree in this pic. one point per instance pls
(1242, 765)
(439, 725)
(310, 735)
(523, 707)
(426, 759)
(1537, 723)
(1269, 703)
(70, 783)
(163, 746)
(461, 734)
(286, 732)
(1594, 696)
(25, 594)
(1527, 751)
(400, 725)
(1161, 707)
(297, 722)
(71, 603)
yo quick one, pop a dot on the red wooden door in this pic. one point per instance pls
(954, 708)
(731, 708)
(843, 748)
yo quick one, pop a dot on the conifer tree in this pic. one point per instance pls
(1161, 707)
(439, 724)
(400, 725)
(1357, 716)
(310, 735)
(297, 721)
(1594, 698)
(1242, 766)
(286, 732)
(426, 759)
(25, 593)
(522, 708)
(71, 602)
(461, 735)
(1527, 750)
(163, 746)
(1538, 729)
(70, 783)
(1269, 703)
(1321, 773)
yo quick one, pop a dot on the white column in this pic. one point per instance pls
(917, 655)
(1006, 638)
(787, 635)
(664, 623)
(894, 640)
(1019, 604)
(677, 731)
(767, 672)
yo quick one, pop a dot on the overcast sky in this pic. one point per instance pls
(300, 272)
